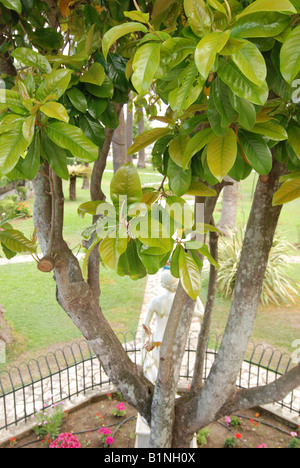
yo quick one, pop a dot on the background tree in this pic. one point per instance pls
(225, 73)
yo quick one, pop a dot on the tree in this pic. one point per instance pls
(227, 221)
(231, 108)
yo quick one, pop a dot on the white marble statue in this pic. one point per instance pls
(160, 308)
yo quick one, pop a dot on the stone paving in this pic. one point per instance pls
(88, 375)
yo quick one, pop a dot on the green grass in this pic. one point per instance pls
(29, 298)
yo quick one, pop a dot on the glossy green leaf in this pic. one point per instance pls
(289, 191)
(55, 84)
(95, 75)
(290, 56)
(31, 58)
(73, 139)
(93, 130)
(199, 189)
(207, 50)
(16, 242)
(271, 130)
(146, 139)
(199, 16)
(257, 152)
(258, 6)
(15, 5)
(77, 99)
(106, 90)
(126, 183)
(119, 31)
(96, 107)
(177, 147)
(31, 163)
(251, 63)
(240, 85)
(145, 64)
(189, 88)
(47, 39)
(189, 274)
(90, 207)
(220, 95)
(28, 128)
(56, 156)
(246, 111)
(264, 24)
(179, 179)
(13, 145)
(56, 111)
(130, 263)
(221, 154)
(110, 249)
(137, 16)
(196, 144)
(294, 137)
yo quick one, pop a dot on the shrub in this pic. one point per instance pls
(23, 209)
(230, 443)
(202, 436)
(48, 423)
(277, 287)
(294, 443)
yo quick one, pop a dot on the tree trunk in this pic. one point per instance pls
(86, 181)
(6, 331)
(202, 408)
(73, 188)
(142, 153)
(119, 143)
(229, 207)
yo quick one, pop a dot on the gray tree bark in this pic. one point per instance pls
(119, 143)
(129, 131)
(229, 207)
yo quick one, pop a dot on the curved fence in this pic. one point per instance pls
(74, 370)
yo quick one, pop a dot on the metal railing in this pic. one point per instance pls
(74, 370)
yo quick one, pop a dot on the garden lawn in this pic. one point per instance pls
(29, 298)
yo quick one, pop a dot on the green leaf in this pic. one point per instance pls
(119, 31)
(290, 56)
(221, 154)
(271, 130)
(12, 99)
(46, 39)
(189, 274)
(56, 156)
(126, 183)
(284, 6)
(30, 58)
(95, 75)
(217, 6)
(294, 137)
(221, 94)
(146, 139)
(199, 189)
(251, 63)
(207, 50)
(96, 107)
(16, 241)
(28, 128)
(289, 191)
(264, 24)
(93, 130)
(179, 179)
(13, 145)
(189, 88)
(55, 84)
(145, 65)
(199, 16)
(15, 5)
(137, 16)
(130, 263)
(90, 207)
(56, 111)
(106, 90)
(177, 147)
(196, 144)
(73, 139)
(246, 111)
(257, 152)
(110, 249)
(77, 99)
(31, 163)
(204, 250)
(240, 85)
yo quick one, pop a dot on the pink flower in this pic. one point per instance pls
(294, 434)
(262, 446)
(65, 440)
(109, 441)
(227, 420)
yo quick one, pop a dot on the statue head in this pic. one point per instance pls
(168, 281)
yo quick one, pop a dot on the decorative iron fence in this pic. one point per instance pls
(74, 370)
